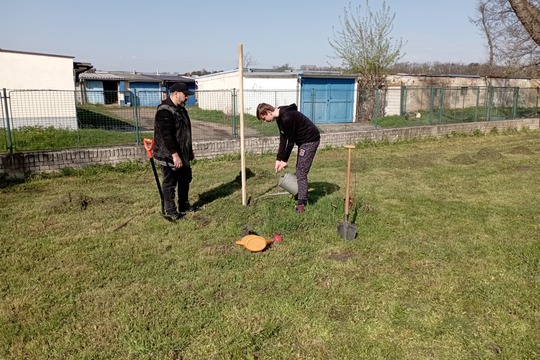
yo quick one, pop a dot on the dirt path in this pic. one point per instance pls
(202, 130)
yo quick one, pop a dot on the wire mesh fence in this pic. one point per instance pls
(35, 120)
(448, 105)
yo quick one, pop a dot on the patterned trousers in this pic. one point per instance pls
(306, 154)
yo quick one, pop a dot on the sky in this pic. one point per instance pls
(183, 36)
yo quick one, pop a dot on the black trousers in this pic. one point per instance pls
(173, 179)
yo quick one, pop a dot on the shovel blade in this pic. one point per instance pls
(346, 230)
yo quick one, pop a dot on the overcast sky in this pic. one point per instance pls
(183, 36)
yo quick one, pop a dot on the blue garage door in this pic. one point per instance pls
(327, 100)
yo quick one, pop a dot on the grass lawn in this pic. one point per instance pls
(446, 264)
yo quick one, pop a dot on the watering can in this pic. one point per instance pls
(256, 243)
(288, 182)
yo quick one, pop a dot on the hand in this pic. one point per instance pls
(280, 165)
(177, 161)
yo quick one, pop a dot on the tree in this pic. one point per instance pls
(365, 46)
(483, 20)
(248, 61)
(509, 43)
(529, 16)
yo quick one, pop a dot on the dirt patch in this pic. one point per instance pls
(201, 220)
(521, 150)
(71, 202)
(463, 159)
(524, 169)
(414, 162)
(488, 154)
(341, 256)
(80, 202)
(201, 130)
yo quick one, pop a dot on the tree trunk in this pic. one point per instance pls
(529, 16)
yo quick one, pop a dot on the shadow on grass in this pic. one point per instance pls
(6, 183)
(319, 190)
(223, 190)
(89, 119)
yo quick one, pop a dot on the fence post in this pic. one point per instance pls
(431, 104)
(136, 114)
(403, 101)
(376, 93)
(9, 140)
(537, 93)
(234, 113)
(489, 102)
(515, 104)
(441, 105)
(477, 103)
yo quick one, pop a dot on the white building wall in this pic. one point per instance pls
(23, 75)
(215, 91)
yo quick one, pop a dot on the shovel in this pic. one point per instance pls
(149, 146)
(345, 229)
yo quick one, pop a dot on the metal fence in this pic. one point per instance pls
(443, 105)
(33, 120)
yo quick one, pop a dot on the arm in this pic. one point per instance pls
(165, 121)
(287, 138)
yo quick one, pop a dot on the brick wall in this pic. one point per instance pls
(19, 165)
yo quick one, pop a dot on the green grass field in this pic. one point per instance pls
(446, 264)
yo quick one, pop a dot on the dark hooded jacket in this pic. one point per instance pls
(294, 128)
(172, 133)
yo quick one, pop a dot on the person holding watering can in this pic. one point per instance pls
(294, 128)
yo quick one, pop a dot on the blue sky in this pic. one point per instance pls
(183, 36)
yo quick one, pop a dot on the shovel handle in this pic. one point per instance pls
(348, 181)
(149, 146)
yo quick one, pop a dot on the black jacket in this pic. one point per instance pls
(172, 133)
(294, 128)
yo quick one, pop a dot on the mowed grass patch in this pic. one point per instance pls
(446, 263)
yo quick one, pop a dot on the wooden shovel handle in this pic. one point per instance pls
(348, 181)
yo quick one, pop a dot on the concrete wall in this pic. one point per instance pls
(20, 165)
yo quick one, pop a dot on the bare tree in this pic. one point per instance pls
(248, 61)
(483, 21)
(509, 43)
(529, 15)
(365, 46)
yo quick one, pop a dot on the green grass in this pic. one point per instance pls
(454, 116)
(446, 264)
(110, 126)
(49, 138)
(217, 116)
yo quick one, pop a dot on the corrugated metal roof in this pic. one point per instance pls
(117, 76)
(172, 78)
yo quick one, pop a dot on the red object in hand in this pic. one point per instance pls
(277, 238)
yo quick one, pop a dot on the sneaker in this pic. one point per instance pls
(300, 208)
(173, 216)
